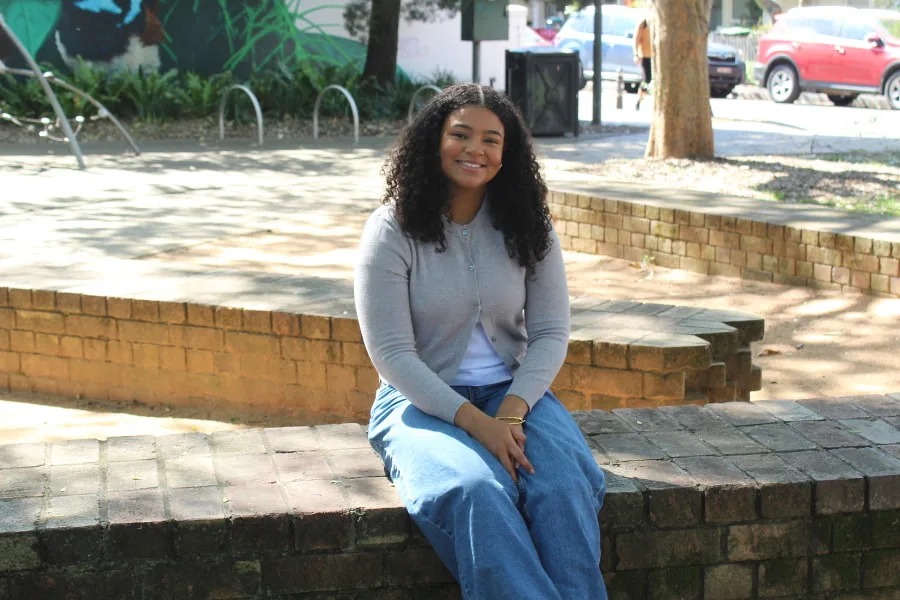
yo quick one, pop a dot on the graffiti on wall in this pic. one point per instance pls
(203, 36)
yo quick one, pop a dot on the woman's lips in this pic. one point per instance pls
(470, 166)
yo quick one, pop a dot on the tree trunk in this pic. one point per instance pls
(682, 118)
(381, 50)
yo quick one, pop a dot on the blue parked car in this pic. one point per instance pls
(726, 69)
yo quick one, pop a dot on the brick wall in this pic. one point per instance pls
(313, 368)
(738, 501)
(631, 354)
(773, 499)
(727, 246)
(179, 353)
(285, 513)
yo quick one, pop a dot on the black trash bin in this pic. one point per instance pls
(544, 85)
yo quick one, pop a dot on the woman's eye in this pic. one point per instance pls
(461, 136)
(492, 141)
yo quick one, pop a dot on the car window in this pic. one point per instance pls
(892, 26)
(855, 30)
(622, 25)
(584, 23)
(824, 26)
(619, 24)
(817, 26)
(569, 25)
(797, 24)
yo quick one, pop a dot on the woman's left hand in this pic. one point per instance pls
(513, 406)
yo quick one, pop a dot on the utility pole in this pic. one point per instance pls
(476, 62)
(598, 58)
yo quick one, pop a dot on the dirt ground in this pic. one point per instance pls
(817, 343)
(866, 182)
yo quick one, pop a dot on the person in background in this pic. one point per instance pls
(643, 55)
(461, 294)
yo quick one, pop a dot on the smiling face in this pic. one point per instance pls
(471, 147)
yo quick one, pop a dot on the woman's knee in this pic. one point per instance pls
(481, 487)
(572, 486)
(458, 493)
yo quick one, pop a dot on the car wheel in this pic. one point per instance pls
(892, 91)
(632, 88)
(783, 84)
(842, 100)
(720, 92)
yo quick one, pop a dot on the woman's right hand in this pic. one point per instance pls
(501, 439)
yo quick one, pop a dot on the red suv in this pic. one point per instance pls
(839, 51)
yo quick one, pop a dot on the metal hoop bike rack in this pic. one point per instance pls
(48, 91)
(102, 111)
(412, 102)
(352, 108)
(256, 108)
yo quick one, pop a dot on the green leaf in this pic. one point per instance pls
(31, 20)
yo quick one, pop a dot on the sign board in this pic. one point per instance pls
(484, 20)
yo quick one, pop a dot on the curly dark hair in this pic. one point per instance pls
(419, 190)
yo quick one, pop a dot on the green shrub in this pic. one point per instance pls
(154, 96)
(90, 81)
(20, 97)
(283, 91)
(201, 95)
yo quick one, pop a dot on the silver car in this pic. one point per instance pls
(726, 68)
(619, 23)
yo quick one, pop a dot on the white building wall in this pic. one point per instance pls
(425, 48)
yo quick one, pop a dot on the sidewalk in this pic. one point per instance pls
(745, 126)
(277, 228)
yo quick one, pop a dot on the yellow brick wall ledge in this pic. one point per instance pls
(801, 245)
(315, 368)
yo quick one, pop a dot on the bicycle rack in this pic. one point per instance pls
(102, 111)
(412, 102)
(352, 108)
(48, 91)
(256, 108)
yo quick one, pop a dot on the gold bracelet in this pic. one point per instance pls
(512, 420)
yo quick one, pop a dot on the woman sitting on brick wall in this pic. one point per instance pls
(461, 296)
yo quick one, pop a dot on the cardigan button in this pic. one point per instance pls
(471, 267)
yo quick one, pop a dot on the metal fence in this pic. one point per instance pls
(746, 45)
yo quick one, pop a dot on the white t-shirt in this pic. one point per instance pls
(481, 364)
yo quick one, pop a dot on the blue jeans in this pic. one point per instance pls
(535, 540)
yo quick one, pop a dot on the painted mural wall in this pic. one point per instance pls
(205, 36)
(243, 36)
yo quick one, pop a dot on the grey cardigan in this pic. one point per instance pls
(417, 309)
